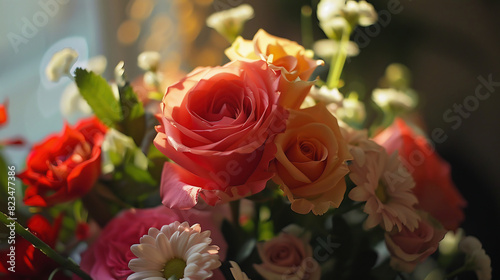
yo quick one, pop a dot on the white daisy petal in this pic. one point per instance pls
(163, 244)
(148, 252)
(176, 249)
(144, 265)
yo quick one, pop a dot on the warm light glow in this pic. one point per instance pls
(128, 32)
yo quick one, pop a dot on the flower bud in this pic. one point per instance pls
(148, 61)
(367, 14)
(60, 64)
(229, 23)
(327, 48)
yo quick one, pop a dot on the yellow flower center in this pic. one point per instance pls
(381, 192)
(175, 267)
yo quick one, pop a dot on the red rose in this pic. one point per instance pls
(31, 263)
(434, 188)
(64, 167)
(218, 124)
(3, 113)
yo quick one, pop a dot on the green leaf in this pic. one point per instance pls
(139, 175)
(129, 103)
(133, 120)
(99, 95)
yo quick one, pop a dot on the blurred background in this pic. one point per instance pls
(450, 46)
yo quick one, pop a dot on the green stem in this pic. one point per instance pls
(306, 27)
(456, 272)
(338, 61)
(44, 248)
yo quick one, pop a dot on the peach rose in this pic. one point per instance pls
(311, 160)
(434, 188)
(294, 62)
(409, 248)
(287, 256)
(218, 125)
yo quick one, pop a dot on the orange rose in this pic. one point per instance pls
(311, 159)
(294, 62)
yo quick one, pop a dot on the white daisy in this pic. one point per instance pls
(476, 257)
(176, 250)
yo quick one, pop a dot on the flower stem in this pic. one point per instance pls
(457, 271)
(306, 26)
(44, 248)
(338, 61)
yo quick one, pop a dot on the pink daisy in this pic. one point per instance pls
(386, 187)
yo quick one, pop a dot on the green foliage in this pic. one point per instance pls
(132, 121)
(99, 95)
(125, 113)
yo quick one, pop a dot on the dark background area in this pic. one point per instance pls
(447, 45)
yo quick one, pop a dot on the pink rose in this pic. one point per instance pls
(218, 125)
(108, 257)
(287, 256)
(409, 248)
(434, 188)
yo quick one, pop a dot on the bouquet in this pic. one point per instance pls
(265, 167)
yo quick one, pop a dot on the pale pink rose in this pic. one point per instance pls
(108, 257)
(409, 248)
(288, 256)
(218, 126)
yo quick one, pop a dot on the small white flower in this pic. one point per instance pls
(60, 64)
(97, 64)
(475, 257)
(72, 102)
(148, 61)
(367, 14)
(229, 23)
(352, 110)
(335, 27)
(326, 48)
(326, 95)
(236, 272)
(120, 74)
(449, 244)
(470, 244)
(335, 16)
(175, 250)
(329, 9)
(350, 9)
(390, 97)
